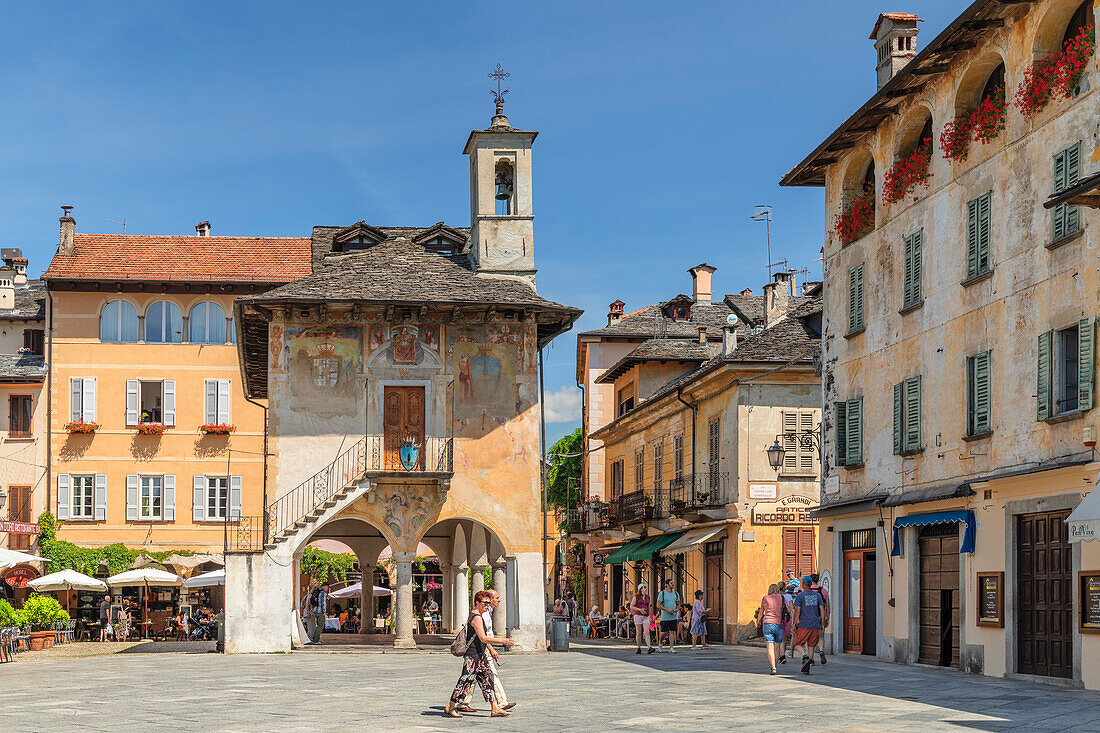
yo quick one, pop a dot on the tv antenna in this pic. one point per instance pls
(122, 222)
(763, 212)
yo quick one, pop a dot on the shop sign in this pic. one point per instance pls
(832, 485)
(18, 577)
(597, 559)
(763, 491)
(1089, 587)
(18, 527)
(991, 599)
(788, 510)
(1082, 530)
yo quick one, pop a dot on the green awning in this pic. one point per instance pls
(643, 549)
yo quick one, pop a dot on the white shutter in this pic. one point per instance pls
(198, 499)
(211, 401)
(235, 487)
(76, 392)
(806, 458)
(169, 395)
(223, 400)
(790, 442)
(64, 495)
(132, 498)
(89, 399)
(133, 401)
(169, 498)
(101, 497)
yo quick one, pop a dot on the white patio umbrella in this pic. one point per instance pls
(11, 558)
(67, 579)
(355, 589)
(146, 577)
(214, 577)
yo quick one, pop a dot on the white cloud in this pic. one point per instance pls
(563, 405)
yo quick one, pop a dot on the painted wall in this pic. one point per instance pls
(23, 460)
(599, 408)
(11, 334)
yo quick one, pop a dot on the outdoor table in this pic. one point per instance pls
(332, 622)
(145, 632)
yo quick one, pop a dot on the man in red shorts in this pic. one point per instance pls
(811, 613)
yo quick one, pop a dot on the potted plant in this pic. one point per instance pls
(857, 217)
(1058, 73)
(81, 427)
(908, 173)
(677, 504)
(221, 428)
(150, 428)
(38, 613)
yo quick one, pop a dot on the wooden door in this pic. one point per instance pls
(798, 550)
(714, 599)
(853, 601)
(1044, 630)
(403, 416)
(19, 510)
(939, 595)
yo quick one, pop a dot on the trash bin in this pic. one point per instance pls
(559, 635)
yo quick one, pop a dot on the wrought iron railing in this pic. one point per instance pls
(247, 535)
(434, 455)
(304, 499)
(636, 506)
(697, 491)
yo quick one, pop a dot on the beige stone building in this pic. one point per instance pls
(959, 350)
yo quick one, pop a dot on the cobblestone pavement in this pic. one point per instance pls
(593, 688)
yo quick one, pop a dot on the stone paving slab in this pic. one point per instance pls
(592, 688)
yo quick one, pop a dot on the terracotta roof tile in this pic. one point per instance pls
(180, 258)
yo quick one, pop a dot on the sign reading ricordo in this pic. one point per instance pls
(788, 510)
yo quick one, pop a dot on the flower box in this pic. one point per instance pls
(983, 124)
(218, 428)
(150, 428)
(1057, 73)
(857, 217)
(80, 427)
(908, 173)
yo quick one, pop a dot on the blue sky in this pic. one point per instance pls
(658, 131)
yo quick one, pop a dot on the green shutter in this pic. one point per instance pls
(859, 296)
(984, 216)
(1086, 355)
(918, 245)
(841, 447)
(855, 298)
(855, 432)
(912, 414)
(1073, 175)
(972, 238)
(1043, 376)
(907, 273)
(1059, 213)
(899, 416)
(980, 395)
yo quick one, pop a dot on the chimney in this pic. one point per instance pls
(615, 312)
(785, 280)
(702, 335)
(895, 37)
(729, 340)
(746, 291)
(68, 232)
(202, 229)
(776, 299)
(700, 282)
(7, 287)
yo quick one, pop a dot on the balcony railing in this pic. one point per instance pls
(697, 491)
(435, 455)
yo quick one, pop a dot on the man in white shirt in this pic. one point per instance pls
(498, 688)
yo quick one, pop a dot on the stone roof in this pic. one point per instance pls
(660, 350)
(322, 244)
(180, 258)
(30, 303)
(808, 307)
(895, 16)
(22, 368)
(650, 322)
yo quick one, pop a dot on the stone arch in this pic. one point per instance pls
(472, 547)
(340, 525)
(917, 123)
(977, 79)
(861, 162)
(1060, 21)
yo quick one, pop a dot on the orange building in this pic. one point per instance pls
(141, 340)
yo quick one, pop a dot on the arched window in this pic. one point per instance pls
(206, 324)
(118, 322)
(1081, 17)
(505, 194)
(163, 323)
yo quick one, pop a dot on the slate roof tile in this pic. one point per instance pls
(30, 303)
(22, 367)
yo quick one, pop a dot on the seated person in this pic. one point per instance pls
(594, 619)
(622, 622)
(683, 626)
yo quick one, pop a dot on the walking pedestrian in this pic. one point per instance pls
(810, 614)
(318, 601)
(104, 618)
(639, 606)
(475, 667)
(668, 603)
(815, 584)
(773, 609)
(699, 620)
(787, 648)
(491, 658)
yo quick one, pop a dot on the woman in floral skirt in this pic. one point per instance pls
(475, 666)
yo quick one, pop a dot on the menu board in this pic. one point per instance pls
(1088, 584)
(991, 599)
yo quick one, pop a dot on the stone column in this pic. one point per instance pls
(478, 581)
(500, 585)
(447, 606)
(461, 591)
(403, 603)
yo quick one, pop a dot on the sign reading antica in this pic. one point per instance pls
(788, 510)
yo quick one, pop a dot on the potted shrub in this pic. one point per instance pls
(38, 613)
(217, 428)
(80, 427)
(8, 615)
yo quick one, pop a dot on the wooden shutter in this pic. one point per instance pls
(805, 551)
(855, 432)
(855, 298)
(169, 514)
(806, 455)
(899, 416)
(917, 245)
(87, 401)
(841, 443)
(1044, 398)
(100, 497)
(133, 401)
(168, 395)
(223, 401)
(76, 394)
(1086, 356)
(790, 442)
(907, 272)
(1059, 213)
(15, 415)
(64, 495)
(211, 404)
(984, 223)
(198, 498)
(790, 549)
(236, 489)
(978, 395)
(912, 413)
(712, 463)
(1073, 175)
(972, 238)
(133, 498)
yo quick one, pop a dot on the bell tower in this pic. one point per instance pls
(502, 241)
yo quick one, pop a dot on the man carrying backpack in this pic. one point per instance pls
(317, 606)
(811, 614)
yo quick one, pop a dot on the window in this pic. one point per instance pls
(907, 415)
(163, 323)
(217, 497)
(849, 432)
(83, 497)
(214, 496)
(855, 299)
(798, 458)
(118, 322)
(505, 192)
(714, 432)
(678, 456)
(639, 470)
(658, 465)
(19, 416)
(911, 277)
(35, 340)
(206, 324)
(1065, 370)
(1067, 171)
(217, 401)
(82, 399)
(681, 313)
(152, 497)
(151, 401)
(616, 479)
(19, 510)
(626, 399)
(978, 397)
(978, 261)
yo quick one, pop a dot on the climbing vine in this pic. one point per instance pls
(325, 567)
(62, 555)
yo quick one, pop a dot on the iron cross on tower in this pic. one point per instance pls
(498, 96)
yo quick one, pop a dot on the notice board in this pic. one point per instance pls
(991, 599)
(1088, 587)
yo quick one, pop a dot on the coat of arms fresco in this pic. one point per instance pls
(322, 364)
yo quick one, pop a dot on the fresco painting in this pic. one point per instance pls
(486, 363)
(323, 364)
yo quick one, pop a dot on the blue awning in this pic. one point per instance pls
(966, 516)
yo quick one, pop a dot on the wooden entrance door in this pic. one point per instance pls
(714, 599)
(798, 550)
(19, 510)
(853, 599)
(1044, 631)
(403, 416)
(939, 595)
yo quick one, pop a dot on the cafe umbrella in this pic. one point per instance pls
(67, 579)
(145, 577)
(11, 558)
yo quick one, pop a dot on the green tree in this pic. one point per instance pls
(563, 481)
